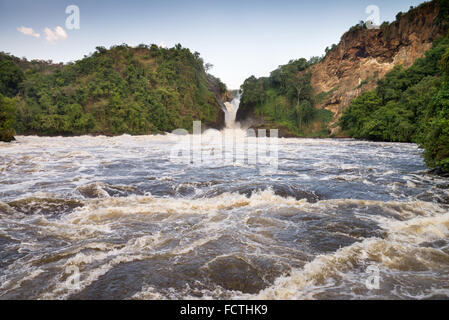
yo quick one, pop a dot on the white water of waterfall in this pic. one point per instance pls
(231, 112)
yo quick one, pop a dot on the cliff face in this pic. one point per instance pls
(364, 56)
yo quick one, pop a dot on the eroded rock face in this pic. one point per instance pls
(364, 56)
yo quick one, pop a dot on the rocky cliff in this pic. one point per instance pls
(364, 56)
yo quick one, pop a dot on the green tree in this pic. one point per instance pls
(7, 118)
(305, 113)
(10, 77)
(354, 119)
(444, 62)
(285, 98)
(436, 141)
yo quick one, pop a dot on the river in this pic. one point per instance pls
(114, 218)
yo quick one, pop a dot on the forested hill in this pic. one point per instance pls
(134, 90)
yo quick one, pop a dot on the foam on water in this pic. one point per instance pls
(140, 227)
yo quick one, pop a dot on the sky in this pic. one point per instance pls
(239, 37)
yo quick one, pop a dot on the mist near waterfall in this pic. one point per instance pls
(231, 112)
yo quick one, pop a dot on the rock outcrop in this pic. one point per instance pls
(364, 56)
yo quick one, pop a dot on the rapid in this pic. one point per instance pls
(138, 226)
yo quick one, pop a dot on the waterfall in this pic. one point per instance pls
(231, 112)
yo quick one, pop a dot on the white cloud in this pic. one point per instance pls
(28, 31)
(54, 35)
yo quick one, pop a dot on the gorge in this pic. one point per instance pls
(402, 64)
(96, 185)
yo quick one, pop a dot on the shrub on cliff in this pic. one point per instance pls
(436, 142)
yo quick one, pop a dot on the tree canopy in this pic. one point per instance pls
(286, 98)
(141, 90)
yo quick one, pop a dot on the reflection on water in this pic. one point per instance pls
(140, 227)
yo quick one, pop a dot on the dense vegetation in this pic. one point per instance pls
(409, 105)
(286, 99)
(10, 78)
(7, 118)
(121, 90)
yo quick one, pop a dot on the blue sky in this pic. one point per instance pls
(240, 38)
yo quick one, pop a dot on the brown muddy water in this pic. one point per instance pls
(138, 226)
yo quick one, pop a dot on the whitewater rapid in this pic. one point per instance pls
(138, 226)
